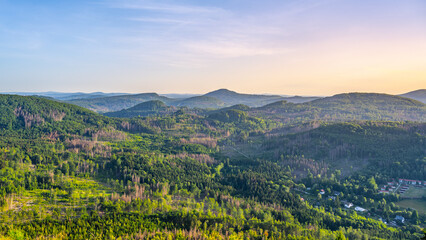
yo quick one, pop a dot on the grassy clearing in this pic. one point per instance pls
(419, 205)
(414, 192)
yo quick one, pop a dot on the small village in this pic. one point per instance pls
(401, 186)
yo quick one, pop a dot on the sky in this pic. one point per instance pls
(303, 47)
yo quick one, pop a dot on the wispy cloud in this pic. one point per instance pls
(180, 33)
(233, 49)
(160, 20)
(163, 7)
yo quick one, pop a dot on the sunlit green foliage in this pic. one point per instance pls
(68, 173)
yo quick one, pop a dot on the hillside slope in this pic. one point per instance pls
(149, 108)
(396, 150)
(116, 103)
(419, 95)
(102, 102)
(41, 115)
(233, 98)
(347, 107)
(77, 177)
(200, 102)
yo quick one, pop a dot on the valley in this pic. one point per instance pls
(212, 120)
(158, 170)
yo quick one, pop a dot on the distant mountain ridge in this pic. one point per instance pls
(347, 107)
(365, 99)
(67, 96)
(203, 101)
(233, 98)
(223, 98)
(226, 98)
(116, 103)
(149, 108)
(213, 100)
(419, 95)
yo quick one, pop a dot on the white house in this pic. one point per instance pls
(400, 218)
(348, 205)
(360, 209)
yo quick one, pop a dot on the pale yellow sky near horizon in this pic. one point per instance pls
(365, 67)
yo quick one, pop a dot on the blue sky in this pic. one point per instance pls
(311, 47)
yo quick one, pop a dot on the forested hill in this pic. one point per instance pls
(347, 107)
(200, 102)
(391, 148)
(226, 98)
(150, 108)
(111, 102)
(382, 101)
(233, 98)
(38, 115)
(371, 106)
(341, 107)
(116, 103)
(69, 173)
(419, 95)
(103, 103)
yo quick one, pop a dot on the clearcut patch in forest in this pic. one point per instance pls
(414, 192)
(419, 205)
(74, 193)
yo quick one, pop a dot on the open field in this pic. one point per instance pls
(414, 192)
(419, 205)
